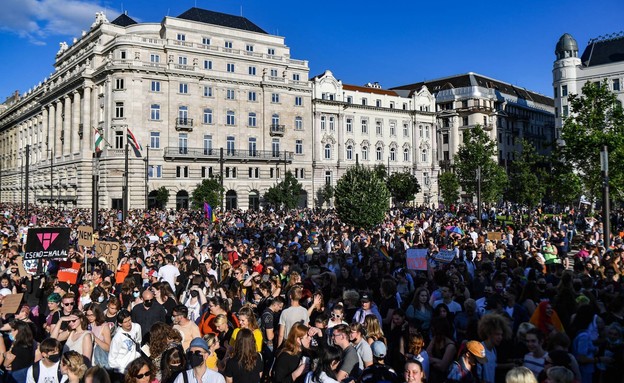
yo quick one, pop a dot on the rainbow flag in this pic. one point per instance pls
(209, 213)
(383, 251)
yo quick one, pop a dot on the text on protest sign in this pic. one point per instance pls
(445, 256)
(48, 242)
(108, 250)
(85, 236)
(417, 259)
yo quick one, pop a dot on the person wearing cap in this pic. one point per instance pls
(464, 370)
(379, 371)
(197, 355)
(368, 307)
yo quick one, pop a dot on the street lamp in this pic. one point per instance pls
(604, 167)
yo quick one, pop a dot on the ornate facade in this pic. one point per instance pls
(204, 93)
(372, 126)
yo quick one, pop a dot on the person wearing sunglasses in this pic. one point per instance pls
(73, 330)
(196, 356)
(140, 370)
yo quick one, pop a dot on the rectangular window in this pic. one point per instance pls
(251, 96)
(464, 121)
(328, 177)
(119, 110)
(378, 103)
(207, 64)
(119, 139)
(230, 144)
(296, 77)
(155, 171)
(364, 101)
(206, 172)
(252, 70)
(298, 123)
(378, 128)
(556, 91)
(207, 116)
(616, 85)
(564, 90)
(271, 51)
(183, 143)
(252, 120)
(230, 94)
(155, 140)
(564, 111)
(207, 91)
(230, 172)
(155, 112)
(275, 147)
(298, 101)
(332, 124)
(273, 72)
(249, 48)
(182, 60)
(405, 130)
(123, 55)
(393, 128)
(275, 98)
(253, 146)
(206, 40)
(207, 144)
(119, 84)
(183, 88)
(230, 118)
(154, 58)
(181, 37)
(254, 173)
(230, 67)
(298, 146)
(155, 86)
(323, 118)
(365, 126)
(182, 171)
(227, 44)
(349, 125)
(349, 100)
(445, 138)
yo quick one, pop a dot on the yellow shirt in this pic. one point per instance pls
(211, 361)
(257, 336)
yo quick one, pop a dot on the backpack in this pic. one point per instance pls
(36, 370)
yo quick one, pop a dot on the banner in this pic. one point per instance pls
(48, 242)
(85, 236)
(68, 272)
(11, 303)
(417, 259)
(445, 256)
(108, 250)
(494, 235)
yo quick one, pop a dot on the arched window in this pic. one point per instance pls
(365, 153)
(275, 120)
(349, 152)
(327, 151)
(424, 155)
(298, 123)
(406, 154)
(379, 152)
(207, 116)
(392, 154)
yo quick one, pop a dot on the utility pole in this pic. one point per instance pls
(51, 175)
(479, 195)
(124, 197)
(95, 193)
(27, 177)
(221, 161)
(606, 220)
(146, 177)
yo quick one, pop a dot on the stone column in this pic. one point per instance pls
(88, 132)
(75, 124)
(58, 126)
(67, 127)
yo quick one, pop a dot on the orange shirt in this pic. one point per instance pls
(122, 273)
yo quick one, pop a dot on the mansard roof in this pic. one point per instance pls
(222, 19)
(604, 50)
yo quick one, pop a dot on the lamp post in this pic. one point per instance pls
(125, 186)
(27, 177)
(479, 195)
(146, 177)
(604, 167)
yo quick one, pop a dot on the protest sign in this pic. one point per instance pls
(20, 266)
(68, 272)
(108, 250)
(445, 256)
(85, 236)
(49, 242)
(494, 235)
(417, 259)
(11, 303)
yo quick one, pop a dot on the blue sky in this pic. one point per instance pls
(394, 43)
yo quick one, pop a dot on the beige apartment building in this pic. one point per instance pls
(203, 93)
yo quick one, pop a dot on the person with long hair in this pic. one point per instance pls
(213, 344)
(327, 366)
(173, 363)
(420, 310)
(545, 318)
(162, 338)
(140, 370)
(101, 334)
(290, 362)
(96, 374)
(520, 375)
(441, 351)
(73, 366)
(373, 329)
(247, 319)
(21, 355)
(245, 363)
(76, 336)
(110, 314)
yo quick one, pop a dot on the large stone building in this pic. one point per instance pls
(206, 92)
(602, 59)
(507, 112)
(372, 126)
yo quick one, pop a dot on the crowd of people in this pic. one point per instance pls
(299, 296)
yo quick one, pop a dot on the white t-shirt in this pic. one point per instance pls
(169, 273)
(46, 374)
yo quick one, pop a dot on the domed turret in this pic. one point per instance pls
(566, 47)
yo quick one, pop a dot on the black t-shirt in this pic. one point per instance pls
(234, 370)
(24, 357)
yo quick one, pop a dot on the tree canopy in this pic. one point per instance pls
(527, 176)
(209, 191)
(449, 188)
(285, 194)
(403, 187)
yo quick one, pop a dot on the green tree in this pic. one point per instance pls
(596, 119)
(380, 171)
(361, 197)
(563, 185)
(403, 187)
(527, 178)
(210, 191)
(285, 194)
(162, 196)
(325, 194)
(449, 188)
(478, 150)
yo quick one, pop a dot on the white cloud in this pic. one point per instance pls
(36, 20)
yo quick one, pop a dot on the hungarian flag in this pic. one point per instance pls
(134, 143)
(98, 142)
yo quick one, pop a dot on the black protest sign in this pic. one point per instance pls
(47, 242)
(108, 250)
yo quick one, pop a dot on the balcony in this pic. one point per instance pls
(203, 154)
(184, 124)
(277, 130)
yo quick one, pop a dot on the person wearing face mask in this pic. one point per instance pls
(21, 355)
(47, 369)
(148, 313)
(196, 356)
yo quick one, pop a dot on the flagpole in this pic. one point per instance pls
(125, 185)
